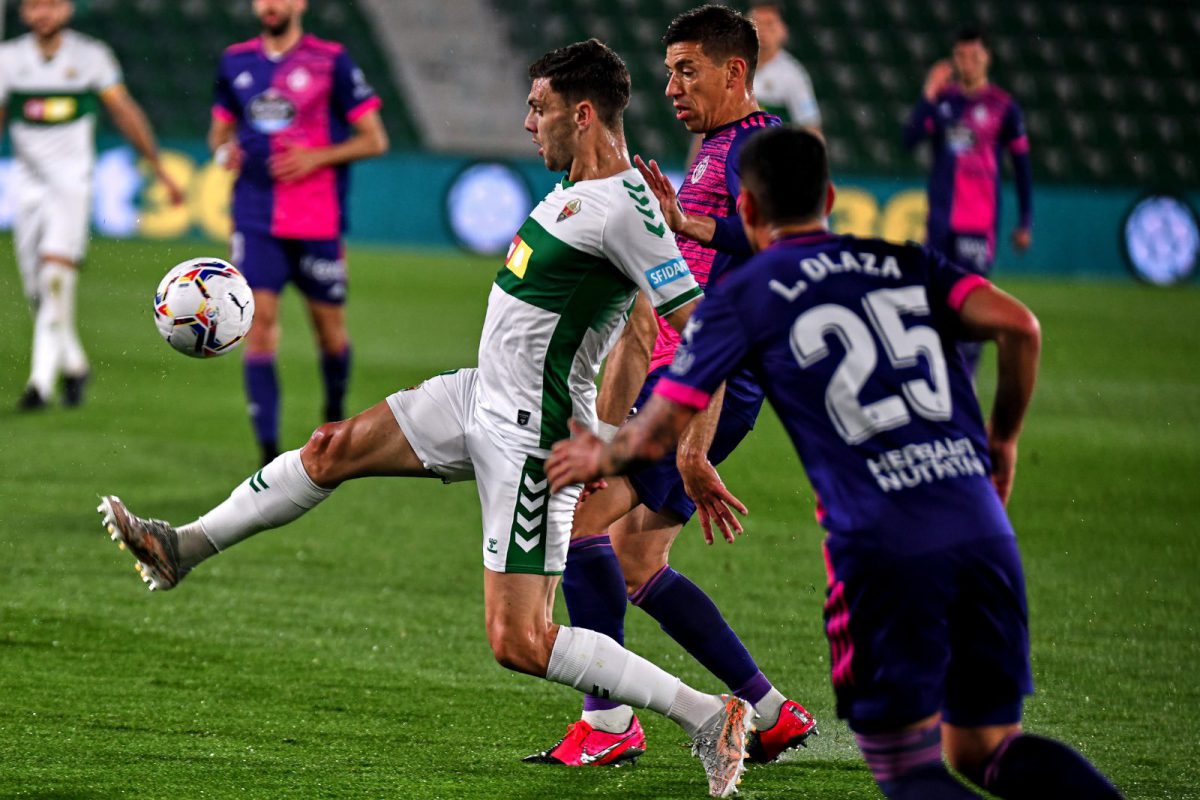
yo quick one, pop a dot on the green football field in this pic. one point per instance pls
(345, 656)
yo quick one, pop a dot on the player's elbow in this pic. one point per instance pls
(378, 142)
(1022, 331)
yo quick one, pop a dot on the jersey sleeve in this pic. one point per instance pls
(729, 236)
(1014, 137)
(637, 241)
(352, 96)
(712, 347)
(107, 70)
(949, 284)
(224, 100)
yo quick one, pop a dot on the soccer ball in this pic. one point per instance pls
(203, 307)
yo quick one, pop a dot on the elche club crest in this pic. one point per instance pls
(570, 209)
(700, 169)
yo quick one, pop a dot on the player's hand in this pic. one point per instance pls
(940, 75)
(294, 163)
(1004, 465)
(229, 156)
(574, 460)
(175, 193)
(714, 502)
(1021, 239)
(660, 184)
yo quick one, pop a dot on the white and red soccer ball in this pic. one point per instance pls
(204, 307)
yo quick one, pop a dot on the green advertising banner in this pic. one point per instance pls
(420, 199)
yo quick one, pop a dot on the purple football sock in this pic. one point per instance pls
(594, 589)
(262, 394)
(1035, 767)
(689, 617)
(335, 372)
(908, 765)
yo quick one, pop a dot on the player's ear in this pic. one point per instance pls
(735, 70)
(830, 197)
(585, 115)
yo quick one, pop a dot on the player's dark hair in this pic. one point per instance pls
(587, 71)
(970, 34)
(786, 169)
(720, 31)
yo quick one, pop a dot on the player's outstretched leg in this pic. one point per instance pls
(1024, 765)
(370, 443)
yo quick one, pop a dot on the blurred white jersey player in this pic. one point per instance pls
(52, 81)
(781, 83)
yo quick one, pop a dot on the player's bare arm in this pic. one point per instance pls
(989, 313)
(131, 121)
(297, 162)
(939, 77)
(627, 364)
(697, 227)
(714, 502)
(646, 438)
(700, 479)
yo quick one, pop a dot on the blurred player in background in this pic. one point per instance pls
(291, 112)
(926, 613)
(781, 83)
(558, 302)
(969, 123)
(50, 80)
(710, 58)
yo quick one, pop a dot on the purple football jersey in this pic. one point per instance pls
(852, 340)
(307, 97)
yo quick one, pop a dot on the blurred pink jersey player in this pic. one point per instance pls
(291, 112)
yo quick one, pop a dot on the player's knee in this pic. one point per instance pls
(639, 572)
(325, 455)
(521, 648)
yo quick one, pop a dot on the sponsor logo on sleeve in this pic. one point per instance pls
(669, 271)
(244, 80)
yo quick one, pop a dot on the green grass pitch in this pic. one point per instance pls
(345, 656)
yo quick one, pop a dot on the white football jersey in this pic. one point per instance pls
(783, 88)
(562, 298)
(51, 104)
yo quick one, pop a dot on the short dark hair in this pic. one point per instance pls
(786, 169)
(721, 32)
(970, 34)
(588, 70)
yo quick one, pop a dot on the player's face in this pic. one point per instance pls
(46, 17)
(277, 16)
(552, 123)
(698, 86)
(772, 31)
(971, 62)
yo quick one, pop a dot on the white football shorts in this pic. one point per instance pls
(525, 528)
(49, 221)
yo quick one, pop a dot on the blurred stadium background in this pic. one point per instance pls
(1110, 89)
(345, 657)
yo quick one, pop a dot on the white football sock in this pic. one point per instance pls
(595, 663)
(768, 707)
(74, 360)
(275, 495)
(610, 720)
(48, 326)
